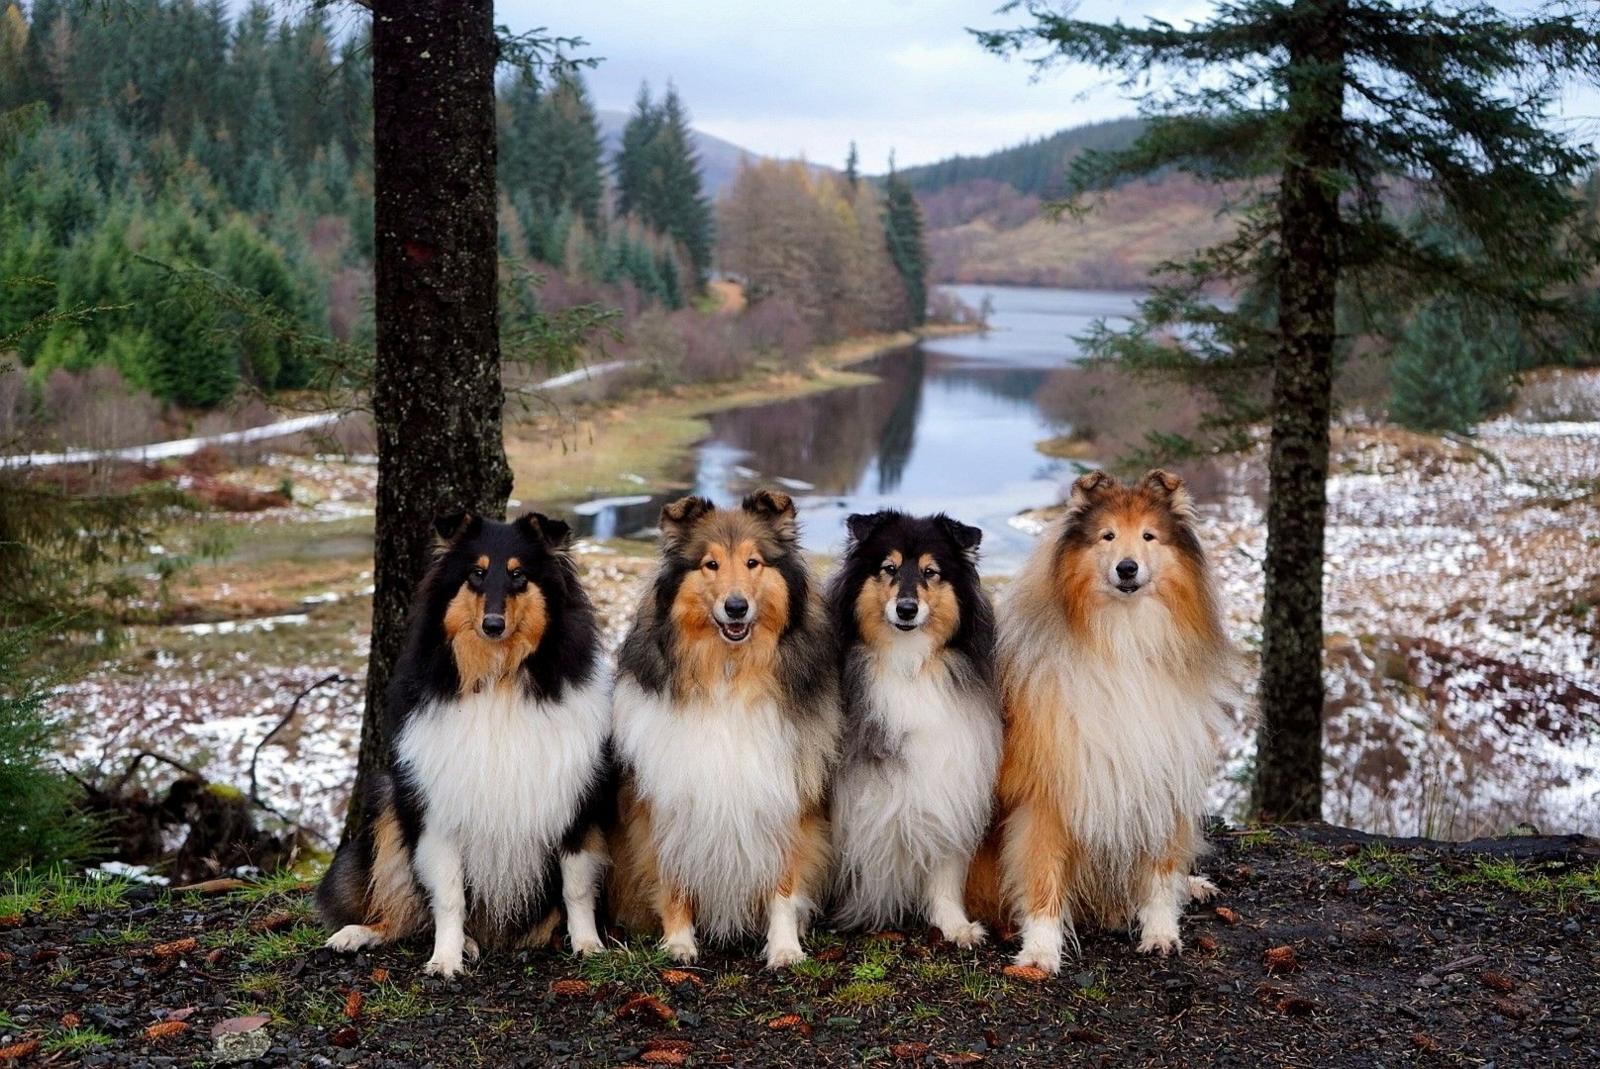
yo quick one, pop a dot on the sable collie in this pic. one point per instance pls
(726, 726)
(913, 793)
(1115, 676)
(496, 795)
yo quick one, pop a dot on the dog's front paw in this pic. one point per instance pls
(966, 935)
(587, 945)
(1160, 941)
(446, 967)
(1046, 958)
(353, 937)
(1202, 889)
(783, 955)
(681, 949)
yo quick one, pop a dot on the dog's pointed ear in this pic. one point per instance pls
(964, 535)
(777, 508)
(553, 532)
(1087, 487)
(678, 517)
(449, 525)
(1170, 488)
(863, 525)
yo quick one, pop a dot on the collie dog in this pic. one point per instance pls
(726, 727)
(496, 794)
(913, 793)
(1115, 677)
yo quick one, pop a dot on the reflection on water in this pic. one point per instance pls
(949, 425)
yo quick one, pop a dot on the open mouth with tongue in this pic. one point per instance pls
(735, 631)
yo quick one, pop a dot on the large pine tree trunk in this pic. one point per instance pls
(1288, 776)
(437, 395)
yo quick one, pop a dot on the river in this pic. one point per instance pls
(948, 425)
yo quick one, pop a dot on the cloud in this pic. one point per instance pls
(789, 79)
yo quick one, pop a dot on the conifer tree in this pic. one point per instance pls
(902, 230)
(852, 172)
(658, 178)
(1331, 108)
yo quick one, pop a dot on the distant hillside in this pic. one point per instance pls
(1036, 167)
(986, 220)
(719, 159)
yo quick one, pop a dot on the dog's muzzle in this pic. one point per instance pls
(733, 618)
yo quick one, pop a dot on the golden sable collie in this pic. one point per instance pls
(726, 726)
(1115, 678)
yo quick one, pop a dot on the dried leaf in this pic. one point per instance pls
(640, 1005)
(240, 1024)
(1497, 981)
(1280, 959)
(681, 976)
(571, 988)
(176, 948)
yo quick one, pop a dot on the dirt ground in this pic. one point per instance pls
(1326, 948)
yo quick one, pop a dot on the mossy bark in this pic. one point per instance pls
(1288, 774)
(437, 395)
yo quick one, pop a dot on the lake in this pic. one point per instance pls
(950, 424)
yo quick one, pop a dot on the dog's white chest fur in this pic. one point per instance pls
(502, 776)
(927, 802)
(1139, 741)
(719, 775)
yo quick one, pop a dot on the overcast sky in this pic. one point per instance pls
(804, 77)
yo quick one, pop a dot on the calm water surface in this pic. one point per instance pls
(950, 425)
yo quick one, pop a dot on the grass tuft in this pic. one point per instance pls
(80, 1040)
(638, 964)
(862, 993)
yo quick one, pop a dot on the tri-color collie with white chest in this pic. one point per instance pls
(1116, 676)
(915, 787)
(496, 800)
(726, 729)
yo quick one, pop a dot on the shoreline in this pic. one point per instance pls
(638, 443)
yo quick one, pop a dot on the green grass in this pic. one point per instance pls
(1564, 890)
(1377, 866)
(285, 884)
(127, 935)
(638, 964)
(274, 948)
(9, 1023)
(933, 971)
(391, 1002)
(58, 894)
(980, 985)
(869, 971)
(862, 993)
(812, 969)
(80, 1040)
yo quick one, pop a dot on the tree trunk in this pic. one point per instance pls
(437, 392)
(1288, 774)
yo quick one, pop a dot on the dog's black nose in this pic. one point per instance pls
(906, 609)
(1127, 570)
(494, 625)
(736, 606)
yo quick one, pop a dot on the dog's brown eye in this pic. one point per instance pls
(479, 573)
(710, 565)
(1109, 536)
(1148, 537)
(930, 574)
(890, 570)
(752, 564)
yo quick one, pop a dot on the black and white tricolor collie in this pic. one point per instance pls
(496, 797)
(1115, 675)
(726, 728)
(913, 794)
